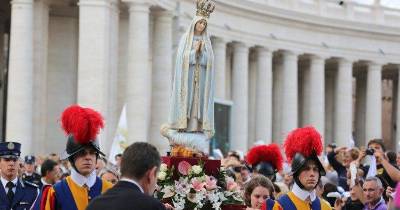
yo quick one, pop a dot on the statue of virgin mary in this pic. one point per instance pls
(192, 98)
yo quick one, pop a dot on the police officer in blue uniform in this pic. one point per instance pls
(30, 175)
(15, 194)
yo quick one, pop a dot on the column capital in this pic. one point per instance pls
(94, 3)
(21, 2)
(46, 2)
(240, 46)
(317, 60)
(263, 51)
(375, 65)
(318, 56)
(288, 54)
(163, 13)
(138, 5)
(345, 61)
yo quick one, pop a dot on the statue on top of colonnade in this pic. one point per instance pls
(191, 116)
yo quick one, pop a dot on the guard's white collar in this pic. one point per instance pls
(44, 182)
(303, 194)
(81, 180)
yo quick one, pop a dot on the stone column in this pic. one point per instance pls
(2, 74)
(360, 108)
(317, 93)
(239, 116)
(373, 118)
(2, 29)
(162, 77)
(219, 47)
(264, 95)
(343, 103)
(94, 56)
(41, 26)
(139, 85)
(113, 110)
(20, 83)
(289, 115)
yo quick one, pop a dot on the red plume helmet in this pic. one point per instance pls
(306, 141)
(265, 153)
(83, 124)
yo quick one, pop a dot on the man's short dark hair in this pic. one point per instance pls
(47, 166)
(377, 141)
(138, 158)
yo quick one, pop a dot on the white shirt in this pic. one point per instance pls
(80, 180)
(4, 182)
(44, 182)
(303, 194)
(133, 182)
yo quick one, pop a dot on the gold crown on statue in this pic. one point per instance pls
(205, 8)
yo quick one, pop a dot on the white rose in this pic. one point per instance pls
(162, 175)
(196, 169)
(163, 167)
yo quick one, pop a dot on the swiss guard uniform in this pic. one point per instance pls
(75, 191)
(15, 194)
(301, 146)
(34, 177)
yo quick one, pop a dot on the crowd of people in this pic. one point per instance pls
(304, 178)
(344, 186)
(354, 178)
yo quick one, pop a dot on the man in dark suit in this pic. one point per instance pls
(139, 169)
(30, 175)
(14, 193)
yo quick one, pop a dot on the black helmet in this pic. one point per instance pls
(299, 162)
(82, 126)
(73, 147)
(265, 160)
(303, 145)
(266, 169)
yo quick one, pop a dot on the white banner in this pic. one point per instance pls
(120, 140)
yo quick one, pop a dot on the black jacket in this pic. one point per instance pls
(340, 169)
(125, 196)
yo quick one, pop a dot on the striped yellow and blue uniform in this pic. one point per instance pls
(290, 201)
(67, 195)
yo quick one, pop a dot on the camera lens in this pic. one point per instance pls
(370, 151)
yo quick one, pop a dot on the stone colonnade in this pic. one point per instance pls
(282, 101)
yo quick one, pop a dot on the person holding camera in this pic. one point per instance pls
(386, 172)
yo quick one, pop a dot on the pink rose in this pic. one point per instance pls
(184, 168)
(231, 185)
(197, 184)
(211, 183)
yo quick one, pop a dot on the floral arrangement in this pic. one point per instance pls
(191, 188)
